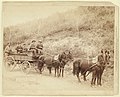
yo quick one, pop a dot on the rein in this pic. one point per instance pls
(88, 69)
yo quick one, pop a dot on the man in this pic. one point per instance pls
(101, 59)
(107, 57)
(101, 66)
(19, 49)
(70, 57)
(25, 49)
(40, 47)
(62, 56)
(34, 49)
(33, 45)
(8, 49)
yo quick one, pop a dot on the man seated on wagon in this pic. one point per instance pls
(33, 49)
(19, 48)
(25, 49)
(33, 45)
(8, 49)
(39, 47)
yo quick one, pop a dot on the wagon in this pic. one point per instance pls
(24, 61)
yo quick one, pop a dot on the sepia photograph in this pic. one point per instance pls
(60, 48)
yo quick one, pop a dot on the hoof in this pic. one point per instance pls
(40, 72)
(93, 86)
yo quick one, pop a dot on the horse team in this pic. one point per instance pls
(58, 64)
(82, 66)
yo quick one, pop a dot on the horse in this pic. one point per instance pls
(98, 69)
(57, 63)
(51, 63)
(64, 58)
(81, 66)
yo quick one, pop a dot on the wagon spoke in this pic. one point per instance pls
(10, 63)
(26, 66)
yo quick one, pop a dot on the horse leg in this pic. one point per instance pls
(39, 67)
(58, 73)
(98, 78)
(62, 71)
(93, 78)
(92, 81)
(49, 68)
(84, 77)
(78, 77)
(101, 73)
(55, 72)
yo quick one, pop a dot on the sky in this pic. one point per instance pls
(17, 13)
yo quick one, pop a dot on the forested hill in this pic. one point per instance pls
(80, 29)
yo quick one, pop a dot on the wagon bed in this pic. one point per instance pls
(25, 61)
(21, 57)
(25, 56)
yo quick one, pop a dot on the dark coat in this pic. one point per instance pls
(19, 49)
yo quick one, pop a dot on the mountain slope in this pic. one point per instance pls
(82, 30)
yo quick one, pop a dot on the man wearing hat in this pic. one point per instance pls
(34, 49)
(33, 45)
(39, 47)
(25, 49)
(19, 48)
(8, 49)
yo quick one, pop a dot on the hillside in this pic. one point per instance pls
(84, 30)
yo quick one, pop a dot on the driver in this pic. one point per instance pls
(8, 49)
(40, 47)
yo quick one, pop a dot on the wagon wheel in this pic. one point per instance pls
(10, 63)
(25, 67)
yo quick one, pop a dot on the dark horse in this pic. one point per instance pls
(82, 66)
(98, 69)
(58, 64)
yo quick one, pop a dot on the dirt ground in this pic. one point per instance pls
(18, 83)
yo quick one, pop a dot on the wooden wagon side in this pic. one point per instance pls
(24, 60)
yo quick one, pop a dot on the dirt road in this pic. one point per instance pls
(18, 83)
